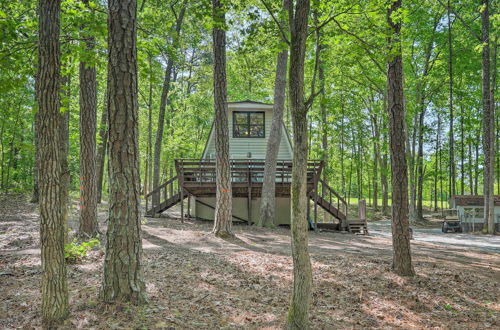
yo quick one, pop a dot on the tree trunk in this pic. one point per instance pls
(420, 167)
(383, 173)
(103, 147)
(488, 125)
(376, 160)
(88, 117)
(268, 201)
(64, 152)
(35, 197)
(411, 166)
(437, 167)
(452, 182)
(163, 103)
(298, 312)
(223, 203)
(402, 264)
(54, 285)
(149, 157)
(476, 163)
(123, 279)
(462, 151)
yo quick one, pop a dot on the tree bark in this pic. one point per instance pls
(401, 264)
(54, 285)
(88, 117)
(298, 312)
(123, 279)
(163, 102)
(223, 203)
(268, 199)
(488, 124)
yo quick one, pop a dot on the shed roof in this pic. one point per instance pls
(472, 200)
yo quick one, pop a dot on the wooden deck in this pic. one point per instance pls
(196, 177)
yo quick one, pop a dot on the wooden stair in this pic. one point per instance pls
(358, 226)
(329, 200)
(164, 197)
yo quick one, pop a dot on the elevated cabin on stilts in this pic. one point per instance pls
(249, 127)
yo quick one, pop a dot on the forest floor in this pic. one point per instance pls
(197, 281)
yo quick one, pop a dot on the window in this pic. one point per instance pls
(248, 124)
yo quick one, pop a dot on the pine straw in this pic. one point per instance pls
(197, 281)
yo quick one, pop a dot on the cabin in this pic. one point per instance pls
(249, 125)
(470, 212)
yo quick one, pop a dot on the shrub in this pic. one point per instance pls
(74, 252)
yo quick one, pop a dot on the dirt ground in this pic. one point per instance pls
(197, 281)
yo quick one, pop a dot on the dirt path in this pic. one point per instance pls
(488, 243)
(196, 281)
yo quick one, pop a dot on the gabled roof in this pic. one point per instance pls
(249, 101)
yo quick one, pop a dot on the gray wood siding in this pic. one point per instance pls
(240, 147)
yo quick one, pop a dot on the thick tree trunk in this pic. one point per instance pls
(402, 264)
(268, 200)
(54, 285)
(223, 203)
(298, 312)
(123, 279)
(163, 102)
(488, 125)
(88, 117)
(102, 148)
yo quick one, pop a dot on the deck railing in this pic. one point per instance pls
(196, 171)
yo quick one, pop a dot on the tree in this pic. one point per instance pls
(54, 285)
(223, 203)
(163, 101)
(123, 275)
(88, 117)
(268, 200)
(298, 311)
(401, 262)
(488, 124)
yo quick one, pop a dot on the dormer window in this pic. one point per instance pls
(248, 124)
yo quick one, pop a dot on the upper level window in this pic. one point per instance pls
(248, 124)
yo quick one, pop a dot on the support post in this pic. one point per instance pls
(182, 204)
(189, 205)
(249, 198)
